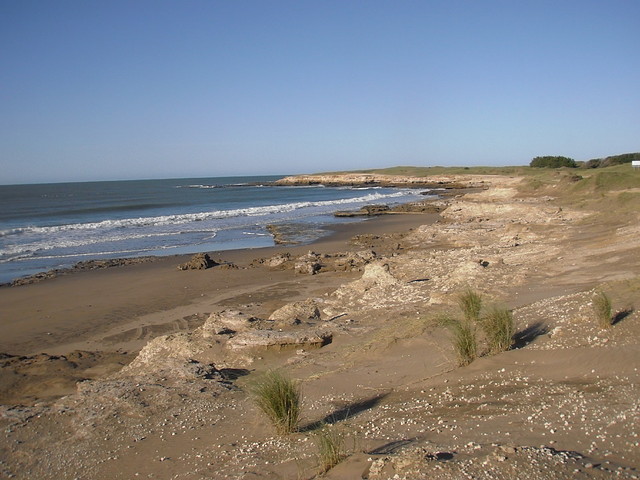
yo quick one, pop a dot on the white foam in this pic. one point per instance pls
(42, 241)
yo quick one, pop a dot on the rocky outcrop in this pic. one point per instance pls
(369, 179)
(366, 211)
(296, 313)
(280, 340)
(313, 263)
(308, 264)
(228, 322)
(78, 267)
(426, 206)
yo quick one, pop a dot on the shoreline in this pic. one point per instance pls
(72, 310)
(29, 274)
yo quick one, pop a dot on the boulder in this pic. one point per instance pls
(200, 261)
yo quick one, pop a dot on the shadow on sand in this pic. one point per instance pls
(346, 412)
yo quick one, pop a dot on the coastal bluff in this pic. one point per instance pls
(382, 180)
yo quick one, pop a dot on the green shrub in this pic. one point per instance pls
(602, 310)
(499, 328)
(470, 303)
(331, 448)
(553, 162)
(280, 398)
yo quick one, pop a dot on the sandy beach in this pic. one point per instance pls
(75, 311)
(143, 371)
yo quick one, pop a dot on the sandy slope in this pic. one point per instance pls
(564, 404)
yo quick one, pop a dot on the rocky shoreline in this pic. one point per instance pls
(380, 180)
(359, 328)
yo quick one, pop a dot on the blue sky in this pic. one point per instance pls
(96, 90)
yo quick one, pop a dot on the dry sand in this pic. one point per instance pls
(563, 404)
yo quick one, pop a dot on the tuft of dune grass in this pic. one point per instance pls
(470, 302)
(280, 398)
(463, 338)
(499, 329)
(331, 448)
(602, 310)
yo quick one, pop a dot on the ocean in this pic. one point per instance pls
(49, 226)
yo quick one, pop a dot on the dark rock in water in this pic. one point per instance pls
(200, 261)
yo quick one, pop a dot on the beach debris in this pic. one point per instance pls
(200, 261)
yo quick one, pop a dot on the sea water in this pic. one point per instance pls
(47, 226)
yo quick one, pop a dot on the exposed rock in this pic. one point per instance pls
(296, 313)
(279, 340)
(165, 353)
(353, 260)
(278, 260)
(80, 266)
(376, 274)
(200, 261)
(228, 321)
(313, 263)
(370, 179)
(425, 206)
(228, 266)
(308, 264)
(366, 211)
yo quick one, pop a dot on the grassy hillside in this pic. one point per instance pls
(611, 191)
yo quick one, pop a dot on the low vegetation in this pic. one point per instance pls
(497, 326)
(463, 337)
(602, 310)
(280, 398)
(331, 447)
(470, 302)
(612, 160)
(499, 329)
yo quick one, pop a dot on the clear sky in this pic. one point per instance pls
(96, 90)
